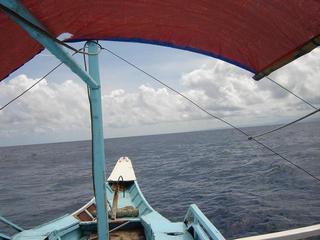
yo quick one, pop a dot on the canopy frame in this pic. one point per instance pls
(93, 82)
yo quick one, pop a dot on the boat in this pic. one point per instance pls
(131, 215)
(119, 209)
(132, 218)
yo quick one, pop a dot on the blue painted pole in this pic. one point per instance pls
(93, 81)
(98, 145)
(53, 47)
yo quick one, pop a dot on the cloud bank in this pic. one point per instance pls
(53, 112)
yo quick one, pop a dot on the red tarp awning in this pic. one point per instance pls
(259, 36)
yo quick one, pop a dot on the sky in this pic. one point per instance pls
(57, 109)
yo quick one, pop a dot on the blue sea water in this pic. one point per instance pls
(243, 189)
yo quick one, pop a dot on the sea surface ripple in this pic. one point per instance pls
(243, 189)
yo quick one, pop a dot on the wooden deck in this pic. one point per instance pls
(132, 234)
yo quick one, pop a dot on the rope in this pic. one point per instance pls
(90, 107)
(305, 101)
(286, 125)
(210, 114)
(33, 85)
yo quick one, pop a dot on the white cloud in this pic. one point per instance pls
(302, 76)
(146, 106)
(229, 91)
(48, 109)
(61, 112)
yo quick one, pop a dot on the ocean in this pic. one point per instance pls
(243, 189)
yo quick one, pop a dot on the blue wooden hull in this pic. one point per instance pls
(79, 226)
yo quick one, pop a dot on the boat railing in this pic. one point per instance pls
(10, 224)
(4, 237)
(292, 234)
(200, 226)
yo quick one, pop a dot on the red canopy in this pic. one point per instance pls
(259, 36)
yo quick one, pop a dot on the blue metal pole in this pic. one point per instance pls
(93, 81)
(98, 145)
(53, 47)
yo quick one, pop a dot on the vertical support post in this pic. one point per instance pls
(98, 144)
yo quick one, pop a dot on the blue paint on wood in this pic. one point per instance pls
(154, 223)
(98, 144)
(61, 227)
(203, 228)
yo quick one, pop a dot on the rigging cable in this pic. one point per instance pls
(286, 125)
(295, 121)
(29, 88)
(286, 89)
(29, 23)
(90, 107)
(210, 114)
(33, 85)
(177, 92)
(10, 12)
(47, 34)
